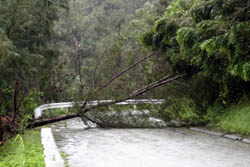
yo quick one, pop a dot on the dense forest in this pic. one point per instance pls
(195, 54)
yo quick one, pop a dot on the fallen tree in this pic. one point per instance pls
(38, 123)
(162, 81)
(125, 70)
(117, 75)
(84, 109)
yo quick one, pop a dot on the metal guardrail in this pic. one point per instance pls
(39, 110)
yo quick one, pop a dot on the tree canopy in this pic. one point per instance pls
(206, 37)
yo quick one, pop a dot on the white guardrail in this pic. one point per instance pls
(39, 110)
(52, 156)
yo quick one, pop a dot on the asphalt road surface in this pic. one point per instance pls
(169, 147)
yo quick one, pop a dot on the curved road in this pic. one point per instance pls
(168, 147)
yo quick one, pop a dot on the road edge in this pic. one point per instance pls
(224, 135)
(52, 157)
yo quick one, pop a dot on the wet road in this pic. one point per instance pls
(168, 147)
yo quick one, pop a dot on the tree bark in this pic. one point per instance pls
(15, 107)
(91, 120)
(1, 130)
(51, 120)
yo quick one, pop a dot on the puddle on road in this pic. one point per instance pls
(169, 147)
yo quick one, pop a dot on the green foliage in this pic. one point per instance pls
(6, 45)
(216, 44)
(100, 39)
(47, 54)
(28, 56)
(213, 113)
(125, 116)
(23, 151)
(234, 118)
(209, 10)
(64, 157)
(183, 110)
(50, 113)
(238, 41)
(147, 38)
(186, 38)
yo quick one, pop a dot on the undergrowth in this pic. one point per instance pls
(235, 118)
(23, 151)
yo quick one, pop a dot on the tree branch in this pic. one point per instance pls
(117, 75)
(13, 19)
(91, 120)
(124, 71)
(162, 81)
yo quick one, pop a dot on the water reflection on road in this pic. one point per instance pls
(168, 147)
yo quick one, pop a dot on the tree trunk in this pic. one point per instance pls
(1, 130)
(15, 101)
(51, 120)
(126, 70)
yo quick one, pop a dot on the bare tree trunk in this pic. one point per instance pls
(15, 101)
(77, 44)
(91, 120)
(94, 74)
(51, 120)
(124, 71)
(1, 130)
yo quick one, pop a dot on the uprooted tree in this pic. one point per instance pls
(84, 109)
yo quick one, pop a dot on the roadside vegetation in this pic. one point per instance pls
(24, 150)
(54, 112)
(64, 157)
(235, 118)
(208, 41)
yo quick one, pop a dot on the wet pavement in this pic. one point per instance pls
(168, 147)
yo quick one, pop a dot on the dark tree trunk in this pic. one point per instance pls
(126, 70)
(15, 101)
(51, 120)
(1, 131)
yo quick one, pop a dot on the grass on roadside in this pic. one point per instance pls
(235, 118)
(23, 151)
(50, 113)
(64, 157)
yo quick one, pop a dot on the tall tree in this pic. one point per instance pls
(26, 30)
